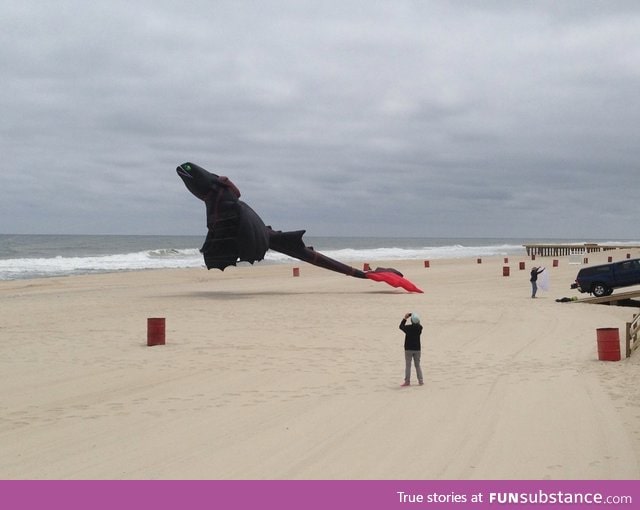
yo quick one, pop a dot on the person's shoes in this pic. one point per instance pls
(421, 383)
(406, 383)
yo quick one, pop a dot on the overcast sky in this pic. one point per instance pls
(347, 117)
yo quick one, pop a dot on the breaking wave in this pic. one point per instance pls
(58, 266)
(54, 257)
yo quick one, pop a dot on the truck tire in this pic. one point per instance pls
(600, 290)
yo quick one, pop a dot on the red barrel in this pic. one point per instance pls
(609, 259)
(155, 331)
(505, 271)
(608, 344)
(426, 263)
(296, 271)
(555, 262)
(506, 260)
(521, 266)
(479, 261)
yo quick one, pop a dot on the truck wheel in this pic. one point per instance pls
(600, 289)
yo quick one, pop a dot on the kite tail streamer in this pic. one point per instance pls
(291, 244)
(393, 278)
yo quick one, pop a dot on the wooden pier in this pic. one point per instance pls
(554, 250)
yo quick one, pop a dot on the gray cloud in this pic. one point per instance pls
(346, 118)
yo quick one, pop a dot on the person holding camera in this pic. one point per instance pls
(412, 348)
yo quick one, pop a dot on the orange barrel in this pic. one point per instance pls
(555, 262)
(505, 271)
(608, 344)
(521, 266)
(366, 267)
(155, 331)
(296, 271)
(426, 263)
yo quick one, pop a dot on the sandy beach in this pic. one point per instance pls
(269, 376)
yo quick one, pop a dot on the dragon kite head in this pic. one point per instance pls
(204, 184)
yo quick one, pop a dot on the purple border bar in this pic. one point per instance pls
(316, 495)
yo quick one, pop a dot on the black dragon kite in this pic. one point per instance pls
(236, 232)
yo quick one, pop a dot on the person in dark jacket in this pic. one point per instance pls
(412, 348)
(534, 280)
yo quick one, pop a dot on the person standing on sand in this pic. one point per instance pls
(534, 280)
(412, 348)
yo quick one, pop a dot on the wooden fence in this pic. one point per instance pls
(633, 334)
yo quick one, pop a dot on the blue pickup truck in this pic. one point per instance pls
(601, 280)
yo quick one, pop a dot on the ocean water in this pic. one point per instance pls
(38, 256)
